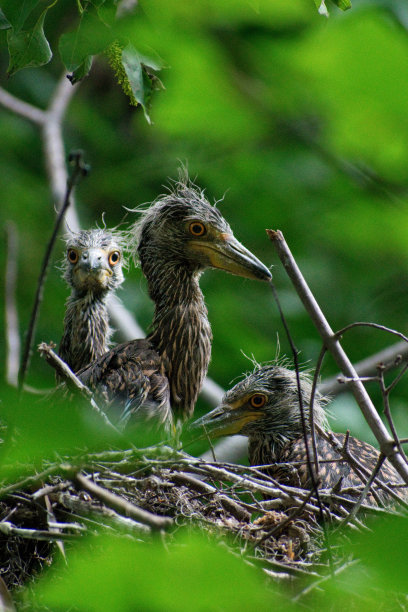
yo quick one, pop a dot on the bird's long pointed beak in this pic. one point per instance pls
(223, 421)
(227, 253)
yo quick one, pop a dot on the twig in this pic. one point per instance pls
(385, 391)
(314, 475)
(389, 330)
(332, 343)
(368, 367)
(11, 327)
(122, 505)
(366, 490)
(80, 169)
(7, 528)
(67, 374)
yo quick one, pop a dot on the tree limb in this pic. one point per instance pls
(332, 343)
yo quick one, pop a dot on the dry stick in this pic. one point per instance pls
(122, 505)
(68, 375)
(365, 491)
(385, 391)
(311, 407)
(11, 318)
(313, 477)
(295, 353)
(332, 343)
(390, 356)
(79, 170)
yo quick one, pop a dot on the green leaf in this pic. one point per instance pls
(4, 24)
(42, 430)
(16, 11)
(193, 574)
(90, 37)
(28, 48)
(82, 70)
(344, 5)
(140, 76)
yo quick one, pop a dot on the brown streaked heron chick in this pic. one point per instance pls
(177, 238)
(93, 269)
(265, 407)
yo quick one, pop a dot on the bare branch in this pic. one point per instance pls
(11, 327)
(32, 113)
(332, 343)
(121, 505)
(78, 171)
(54, 150)
(367, 367)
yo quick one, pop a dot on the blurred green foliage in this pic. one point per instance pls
(295, 121)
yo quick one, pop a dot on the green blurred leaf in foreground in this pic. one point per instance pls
(122, 575)
(378, 581)
(16, 12)
(45, 429)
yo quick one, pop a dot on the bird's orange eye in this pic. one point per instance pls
(258, 400)
(72, 256)
(114, 258)
(197, 228)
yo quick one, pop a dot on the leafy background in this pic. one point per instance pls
(297, 121)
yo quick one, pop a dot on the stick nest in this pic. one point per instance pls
(161, 489)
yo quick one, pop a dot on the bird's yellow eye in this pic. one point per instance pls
(197, 228)
(72, 256)
(114, 258)
(258, 400)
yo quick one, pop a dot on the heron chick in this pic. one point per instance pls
(93, 269)
(177, 238)
(265, 407)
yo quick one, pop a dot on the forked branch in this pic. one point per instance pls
(332, 343)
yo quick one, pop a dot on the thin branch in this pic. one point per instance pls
(385, 391)
(23, 109)
(389, 330)
(11, 317)
(79, 170)
(390, 357)
(7, 528)
(332, 343)
(295, 353)
(54, 150)
(122, 505)
(64, 371)
(366, 490)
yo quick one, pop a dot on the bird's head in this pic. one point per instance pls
(94, 261)
(184, 230)
(265, 403)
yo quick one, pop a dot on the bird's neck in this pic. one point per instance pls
(265, 448)
(86, 330)
(181, 333)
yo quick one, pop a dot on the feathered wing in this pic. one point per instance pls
(131, 381)
(332, 468)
